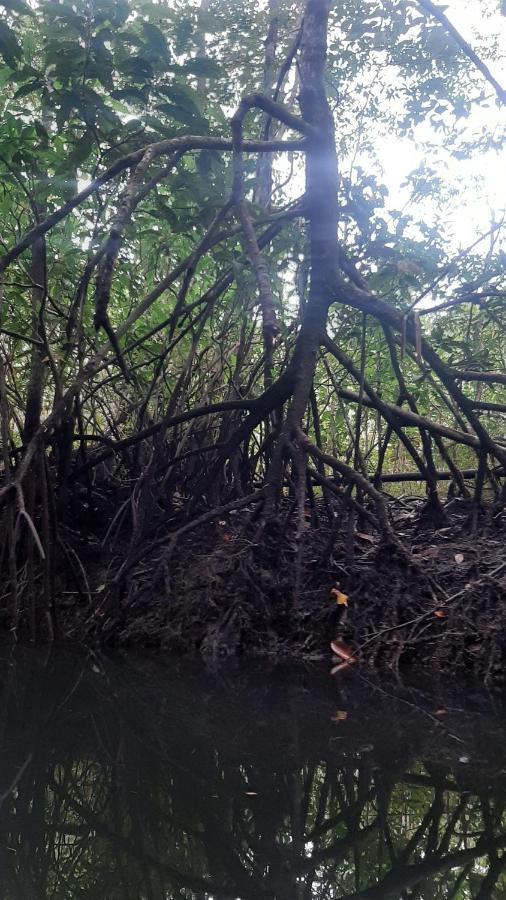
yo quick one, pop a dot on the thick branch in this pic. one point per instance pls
(414, 420)
(489, 377)
(395, 477)
(359, 298)
(438, 14)
(160, 148)
(277, 111)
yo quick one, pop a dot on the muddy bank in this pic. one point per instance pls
(440, 603)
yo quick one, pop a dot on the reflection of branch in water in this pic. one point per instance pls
(402, 877)
(250, 793)
(15, 781)
(132, 851)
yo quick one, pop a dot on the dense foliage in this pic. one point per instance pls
(209, 303)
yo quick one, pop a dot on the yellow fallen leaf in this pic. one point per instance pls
(341, 599)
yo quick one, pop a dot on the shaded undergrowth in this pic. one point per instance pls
(238, 586)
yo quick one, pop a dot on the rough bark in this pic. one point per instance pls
(36, 377)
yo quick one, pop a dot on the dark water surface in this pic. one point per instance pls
(143, 779)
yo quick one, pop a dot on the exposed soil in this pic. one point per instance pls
(221, 592)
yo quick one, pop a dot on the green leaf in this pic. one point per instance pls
(102, 70)
(114, 11)
(203, 67)
(9, 46)
(42, 133)
(68, 101)
(156, 39)
(184, 31)
(121, 12)
(23, 74)
(62, 14)
(137, 68)
(28, 88)
(132, 94)
(183, 96)
(82, 149)
(158, 126)
(177, 113)
(165, 212)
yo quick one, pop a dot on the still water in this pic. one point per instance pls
(138, 779)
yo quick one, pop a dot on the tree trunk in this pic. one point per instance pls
(36, 379)
(321, 197)
(263, 188)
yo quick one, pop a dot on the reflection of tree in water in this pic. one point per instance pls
(137, 782)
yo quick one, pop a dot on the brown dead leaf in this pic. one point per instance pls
(343, 651)
(427, 553)
(364, 537)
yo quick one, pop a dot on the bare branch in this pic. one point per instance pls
(438, 14)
